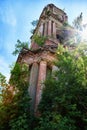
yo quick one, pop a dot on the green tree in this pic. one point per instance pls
(19, 46)
(5, 100)
(14, 109)
(2, 84)
(77, 23)
(21, 100)
(64, 99)
(34, 24)
(2, 80)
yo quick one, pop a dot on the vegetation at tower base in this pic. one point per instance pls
(5, 97)
(19, 46)
(64, 102)
(64, 99)
(14, 113)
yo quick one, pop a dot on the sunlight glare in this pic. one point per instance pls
(84, 30)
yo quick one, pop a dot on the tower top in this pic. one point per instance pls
(53, 7)
(52, 25)
(51, 11)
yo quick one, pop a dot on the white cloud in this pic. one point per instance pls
(7, 16)
(4, 68)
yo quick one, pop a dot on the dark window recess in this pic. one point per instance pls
(43, 29)
(60, 39)
(52, 27)
(30, 70)
(47, 27)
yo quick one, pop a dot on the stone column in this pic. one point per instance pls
(41, 78)
(54, 30)
(45, 30)
(33, 83)
(49, 28)
(41, 29)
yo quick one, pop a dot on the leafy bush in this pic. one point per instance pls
(64, 99)
(14, 109)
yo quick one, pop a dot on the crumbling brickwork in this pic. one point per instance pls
(39, 58)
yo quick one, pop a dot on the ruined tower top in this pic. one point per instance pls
(54, 13)
(50, 25)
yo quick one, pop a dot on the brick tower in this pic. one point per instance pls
(40, 58)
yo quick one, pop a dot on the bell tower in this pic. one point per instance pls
(40, 58)
(50, 25)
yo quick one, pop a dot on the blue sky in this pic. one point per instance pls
(15, 23)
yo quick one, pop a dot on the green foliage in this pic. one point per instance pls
(14, 109)
(19, 46)
(20, 72)
(54, 121)
(65, 24)
(34, 24)
(64, 99)
(2, 80)
(3, 86)
(32, 31)
(48, 12)
(5, 97)
(78, 22)
(20, 122)
(40, 40)
(21, 100)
